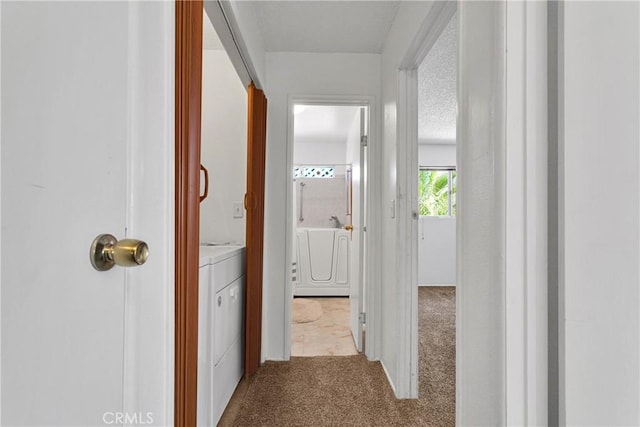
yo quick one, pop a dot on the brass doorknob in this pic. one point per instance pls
(106, 251)
(348, 227)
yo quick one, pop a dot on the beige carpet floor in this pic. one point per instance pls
(351, 391)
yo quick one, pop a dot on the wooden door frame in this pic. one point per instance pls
(254, 205)
(188, 92)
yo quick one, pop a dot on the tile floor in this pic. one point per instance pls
(330, 335)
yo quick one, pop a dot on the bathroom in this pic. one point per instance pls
(327, 187)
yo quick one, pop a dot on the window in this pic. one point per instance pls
(314, 172)
(437, 192)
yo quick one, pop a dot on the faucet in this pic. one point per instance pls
(336, 220)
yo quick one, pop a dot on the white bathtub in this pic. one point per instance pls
(322, 262)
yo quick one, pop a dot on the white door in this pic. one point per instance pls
(357, 280)
(84, 152)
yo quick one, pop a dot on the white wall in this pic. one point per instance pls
(318, 153)
(443, 155)
(599, 188)
(297, 74)
(322, 199)
(480, 295)
(224, 148)
(437, 235)
(437, 250)
(408, 20)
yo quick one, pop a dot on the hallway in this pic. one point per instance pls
(349, 390)
(101, 140)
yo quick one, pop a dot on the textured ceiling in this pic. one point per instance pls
(437, 104)
(323, 123)
(325, 26)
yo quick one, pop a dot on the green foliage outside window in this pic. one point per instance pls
(437, 192)
(453, 193)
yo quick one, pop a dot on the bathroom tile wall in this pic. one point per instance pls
(322, 198)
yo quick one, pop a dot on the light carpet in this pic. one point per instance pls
(351, 391)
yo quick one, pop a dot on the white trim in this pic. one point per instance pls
(386, 373)
(537, 212)
(526, 214)
(433, 25)
(562, 397)
(372, 250)
(1, 208)
(515, 235)
(502, 306)
(407, 232)
(374, 209)
(169, 185)
(553, 378)
(480, 295)
(224, 22)
(148, 365)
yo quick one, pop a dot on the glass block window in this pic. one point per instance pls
(314, 172)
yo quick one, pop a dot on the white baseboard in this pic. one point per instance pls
(393, 387)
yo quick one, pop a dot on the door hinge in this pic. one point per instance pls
(364, 140)
(363, 318)
(364, 228)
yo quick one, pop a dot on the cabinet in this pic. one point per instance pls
(220, 329)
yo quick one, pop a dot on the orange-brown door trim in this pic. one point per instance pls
(254, 204)
(188, 81)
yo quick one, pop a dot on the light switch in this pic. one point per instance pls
(238, 210)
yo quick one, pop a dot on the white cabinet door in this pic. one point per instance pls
(83, 153)
(221, 324)
(236, 310)
(229, 314)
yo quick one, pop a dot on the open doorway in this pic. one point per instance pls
(436, 195)
(427, 170)
(328, 191)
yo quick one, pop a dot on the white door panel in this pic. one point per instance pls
(66, 128)
(357, 262)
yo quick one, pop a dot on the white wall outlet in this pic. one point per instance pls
(238, 210)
